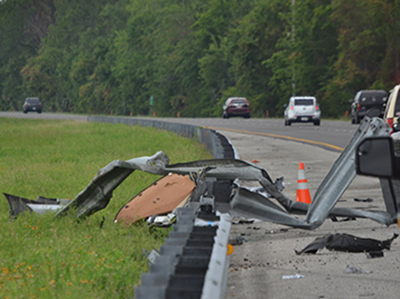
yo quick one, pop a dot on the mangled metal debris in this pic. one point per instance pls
(251, 203)
(40, 205)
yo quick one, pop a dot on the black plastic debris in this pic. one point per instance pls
(348, 243)
(374, 254)
(363, 199)
(336, 219)
(313, 247)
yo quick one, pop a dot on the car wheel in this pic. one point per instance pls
(352, 120)
(357, 120)
(246, 116)
(289, 123)
(39, 111)
(25, 112)
(316, 122)
(285, 122)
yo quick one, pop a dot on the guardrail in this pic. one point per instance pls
(217, 144)
(193, 262)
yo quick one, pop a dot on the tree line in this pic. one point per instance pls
(141, 57)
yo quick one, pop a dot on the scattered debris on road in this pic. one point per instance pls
(296, 276)
(347, 243)
(363, 199)
(350, 269)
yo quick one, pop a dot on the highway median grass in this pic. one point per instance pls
(43, 256)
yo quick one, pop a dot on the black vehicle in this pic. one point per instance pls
(366, 100)
(32, 104)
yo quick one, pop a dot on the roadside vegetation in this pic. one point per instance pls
(175, 57)
(48, 257)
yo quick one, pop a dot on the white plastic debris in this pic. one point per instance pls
(354, 269)
(296, 276)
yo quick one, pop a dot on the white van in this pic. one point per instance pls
(302, 109)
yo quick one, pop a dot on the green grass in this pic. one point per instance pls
(48, 257)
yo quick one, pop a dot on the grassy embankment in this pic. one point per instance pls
(48, 257)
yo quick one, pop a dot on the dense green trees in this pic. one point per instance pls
(114, 55)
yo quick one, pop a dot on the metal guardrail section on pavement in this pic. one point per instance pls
(343, 171)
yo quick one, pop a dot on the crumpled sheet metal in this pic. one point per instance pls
(98, 193)
(254, 205)
(343, 171)
(41, 205)
(226, 169)
(246, 203)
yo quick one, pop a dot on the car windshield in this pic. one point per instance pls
(32, 101)
(304, 102)
(238, 101)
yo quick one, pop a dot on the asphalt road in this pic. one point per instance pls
(331, 134)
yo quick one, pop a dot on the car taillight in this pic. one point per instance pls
(358, 106)
(291, 107)
(390, 122)
(316, 107)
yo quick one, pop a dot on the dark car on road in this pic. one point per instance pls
(367, 100)
(236, 107)
(32, 104)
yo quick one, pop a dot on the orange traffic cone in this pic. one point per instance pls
(303, 194)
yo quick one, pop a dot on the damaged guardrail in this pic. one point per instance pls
(193, 262)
